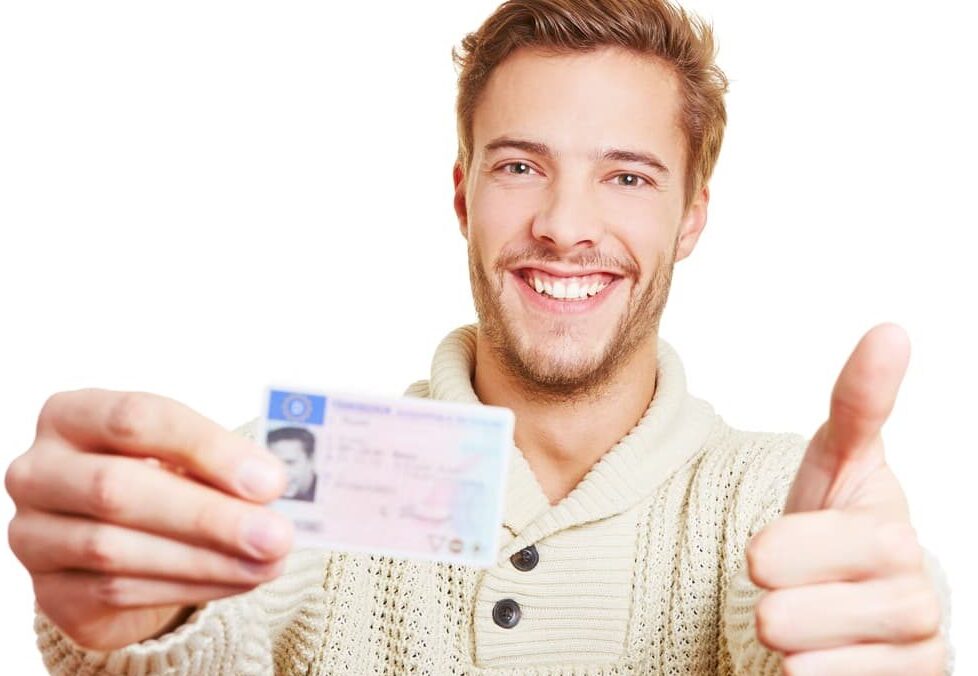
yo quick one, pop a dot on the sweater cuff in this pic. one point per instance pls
(749, 655)
(202, 645)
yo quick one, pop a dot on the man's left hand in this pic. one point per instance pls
(847, 588)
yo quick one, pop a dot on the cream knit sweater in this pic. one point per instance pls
(640, 571)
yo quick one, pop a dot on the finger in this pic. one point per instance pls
(831, 546)
(132, 493)
(923, 658)
(143, 424)
(900, 609)
(90, 590)
(866, 390)
(46, 543)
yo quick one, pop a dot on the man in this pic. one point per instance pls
(641, 534)
(295, 447)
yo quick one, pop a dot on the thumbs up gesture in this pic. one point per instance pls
(847, 589)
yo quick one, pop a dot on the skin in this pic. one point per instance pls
(846, 588)
(847, 591)
(583, 213)
(132, 509)
(299, 471)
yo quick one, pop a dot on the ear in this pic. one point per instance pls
(694, 220)
(460, 209)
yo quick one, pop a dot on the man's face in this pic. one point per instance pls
(298, 465)
(575, 190)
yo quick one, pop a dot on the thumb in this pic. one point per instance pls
(848, 446)
(866, 391)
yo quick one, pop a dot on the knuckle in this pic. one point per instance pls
(768, 621)
(928, 614)
(112, 591)
(900, 545)
(52, 408)
(107, 493)
(99, 549)
(129, 415)
(918, 612)
(18, 477)
(759, 559)
(17, 536)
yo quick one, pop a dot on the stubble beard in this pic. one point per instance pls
(545, 378)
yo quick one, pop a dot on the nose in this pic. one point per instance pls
(569, 220)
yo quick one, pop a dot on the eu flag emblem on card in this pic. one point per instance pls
(297, 407)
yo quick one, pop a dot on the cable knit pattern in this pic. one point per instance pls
(641, 570)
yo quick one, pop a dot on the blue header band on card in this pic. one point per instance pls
(308, 409)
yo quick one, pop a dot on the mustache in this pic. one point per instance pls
(586, 260)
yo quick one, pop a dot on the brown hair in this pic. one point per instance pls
(654, 28)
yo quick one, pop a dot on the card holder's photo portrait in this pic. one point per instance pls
(296, 447)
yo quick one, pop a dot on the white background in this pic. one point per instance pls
(200, 198)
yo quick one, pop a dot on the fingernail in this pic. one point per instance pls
(259, 478)
(265, 533)
(260, 569)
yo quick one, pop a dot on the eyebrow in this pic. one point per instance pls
(615, 154)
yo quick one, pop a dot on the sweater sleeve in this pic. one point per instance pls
(278, 627)
(275, 628)
(768, 470)
(777, 468)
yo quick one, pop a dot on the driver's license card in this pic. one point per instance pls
(404, 477)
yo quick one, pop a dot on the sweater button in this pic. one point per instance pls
(525, 559)
(506, 613)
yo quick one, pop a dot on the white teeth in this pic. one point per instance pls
(573, 290)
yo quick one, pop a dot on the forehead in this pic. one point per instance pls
(583, 100)
(286, 445)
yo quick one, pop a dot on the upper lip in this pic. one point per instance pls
(564, 271)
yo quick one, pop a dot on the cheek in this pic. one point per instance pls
(649, 248)
(642, 211)
(499, 217)
(645, 241)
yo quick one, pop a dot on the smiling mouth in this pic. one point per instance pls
(569, 289)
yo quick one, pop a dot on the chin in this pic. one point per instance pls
(563, 345)
(553, 358)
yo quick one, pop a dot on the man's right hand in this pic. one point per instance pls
(132, 509)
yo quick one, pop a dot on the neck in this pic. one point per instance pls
(561, 441)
